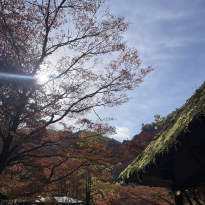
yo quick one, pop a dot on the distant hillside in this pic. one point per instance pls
(111, 142)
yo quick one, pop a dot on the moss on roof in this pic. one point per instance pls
(167, 138)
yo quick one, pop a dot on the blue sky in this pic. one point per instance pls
(170, 37)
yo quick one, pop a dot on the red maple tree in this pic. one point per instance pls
(33, 35)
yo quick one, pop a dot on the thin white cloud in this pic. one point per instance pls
(122, 134)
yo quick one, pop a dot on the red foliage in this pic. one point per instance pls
(134, 148)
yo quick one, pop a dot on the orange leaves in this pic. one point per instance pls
(129, 87)
(85, 121)
(122, 71)
(101, 128)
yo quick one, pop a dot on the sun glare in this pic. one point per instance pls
(43, 79)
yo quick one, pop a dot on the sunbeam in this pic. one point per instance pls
(41, 79)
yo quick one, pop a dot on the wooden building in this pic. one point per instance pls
(175, 158)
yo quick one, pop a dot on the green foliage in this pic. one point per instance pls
(158, 120)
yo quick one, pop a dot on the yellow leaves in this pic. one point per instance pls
(81, 144)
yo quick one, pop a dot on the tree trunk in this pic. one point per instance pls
(88, 198)
(88, 186)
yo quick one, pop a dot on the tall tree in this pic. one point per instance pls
(100, 163)
(32, 33)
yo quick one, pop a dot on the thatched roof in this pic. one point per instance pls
(186, 129)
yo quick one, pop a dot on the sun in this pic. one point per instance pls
(43, 79)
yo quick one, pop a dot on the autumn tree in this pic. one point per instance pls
(100, 163)
(66, 40)
(98, 183)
